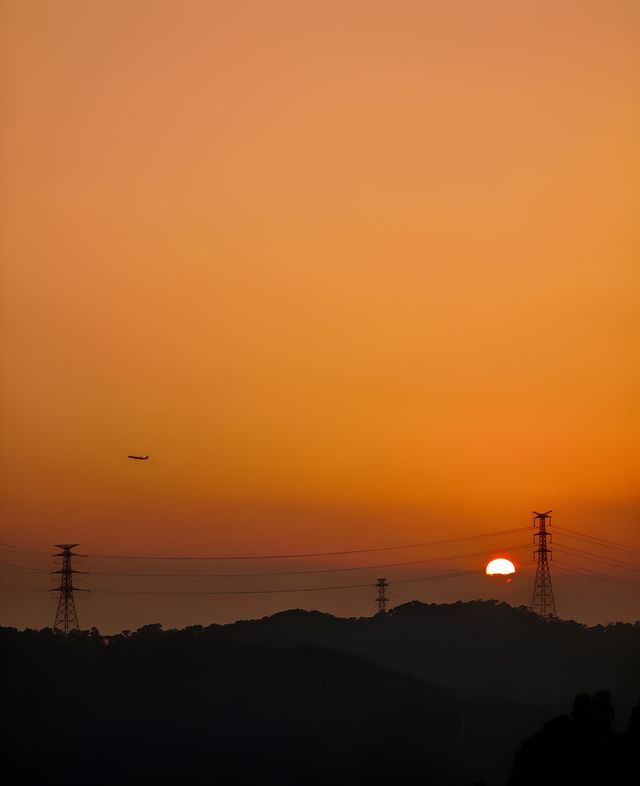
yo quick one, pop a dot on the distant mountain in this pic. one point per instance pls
(437, 694)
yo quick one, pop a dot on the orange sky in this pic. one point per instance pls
(357, 272)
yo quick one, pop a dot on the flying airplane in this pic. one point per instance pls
(139, 458)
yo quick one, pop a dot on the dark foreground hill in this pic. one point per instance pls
(427, 694)
(208, 717)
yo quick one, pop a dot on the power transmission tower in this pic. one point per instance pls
(543, 602)
(66, 616)
(382, 596)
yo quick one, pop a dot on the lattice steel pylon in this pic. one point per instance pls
(543, 602)
(66, 616)
(382, 596)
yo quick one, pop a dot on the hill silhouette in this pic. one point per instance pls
(440, 694)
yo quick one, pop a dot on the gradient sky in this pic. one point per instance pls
(353, 273)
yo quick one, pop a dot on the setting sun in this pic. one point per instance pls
(500, 567)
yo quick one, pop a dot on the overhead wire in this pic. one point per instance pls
(451, 574)
(580, 553)
(20, 550)
(309, 572)
(592, 574)
(304, 555)
(21, 587)
(22, 568)
(611, 544)
(563, 566)
(310, 589)
(571, 533)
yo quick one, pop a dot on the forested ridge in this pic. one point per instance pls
(443, 694)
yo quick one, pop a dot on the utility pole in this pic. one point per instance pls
(66, 616)
(382, 596)
(543, 602)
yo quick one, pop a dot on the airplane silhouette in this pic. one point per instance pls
(139, 458)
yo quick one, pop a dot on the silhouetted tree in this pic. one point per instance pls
(581, 749)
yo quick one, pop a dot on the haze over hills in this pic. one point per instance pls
(307, 697)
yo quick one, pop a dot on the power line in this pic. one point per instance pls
(22, 568)
(316, 553)
(571, 533)
(611, 544)
(593, 574)
(22, 587)
(616, 563)
(20, 550)
(576, 572)
(259, 592)
(305, 572)
(293, 589)
(455, 574)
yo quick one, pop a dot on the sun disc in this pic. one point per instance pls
(500, 567)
